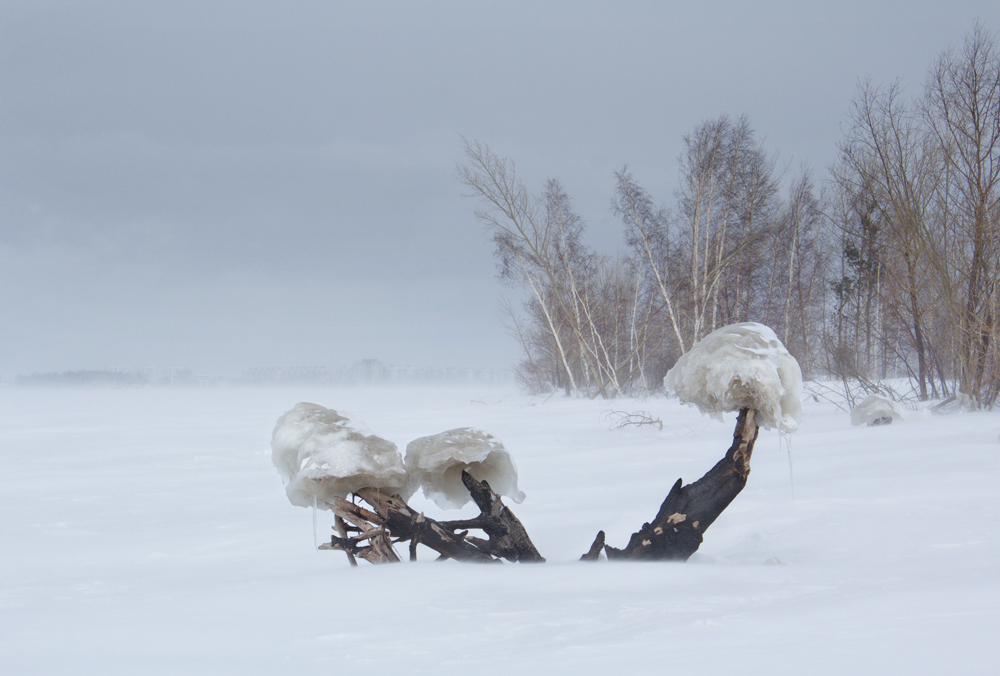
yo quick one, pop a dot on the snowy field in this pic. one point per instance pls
(146, 531)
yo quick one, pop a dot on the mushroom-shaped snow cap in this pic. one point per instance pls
(321, 453)
(740, 366)
(435, 463)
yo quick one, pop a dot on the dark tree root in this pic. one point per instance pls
(392, 517)
(677, 530)
(595, 549)
(674, 534)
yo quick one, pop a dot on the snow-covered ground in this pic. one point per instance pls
(147, 531)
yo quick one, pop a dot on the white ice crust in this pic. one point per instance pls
(321, 453)
(741, 366)
(874, 410)
(435, 463)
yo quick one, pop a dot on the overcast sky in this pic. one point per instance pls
(221, 185)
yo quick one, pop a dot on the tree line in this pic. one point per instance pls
(887, 268)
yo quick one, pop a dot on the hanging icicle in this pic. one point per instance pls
(315, 535)
(786, 437)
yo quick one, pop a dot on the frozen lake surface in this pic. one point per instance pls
(146, 531)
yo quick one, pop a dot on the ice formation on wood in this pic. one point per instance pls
(876, 410)
(740, 366)
(435, 463)
(321, 453)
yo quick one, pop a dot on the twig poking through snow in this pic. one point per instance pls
(621, 419)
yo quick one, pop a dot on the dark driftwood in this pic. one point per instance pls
(405, 523)
(370, 532)
(342, 532)
(508, 539)
(688, 511)
(595, 549)
(450, 539)
(674, 534)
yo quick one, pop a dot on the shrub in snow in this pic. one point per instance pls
(876, 410)
(740, 366)
(321, 453)
(435, 463)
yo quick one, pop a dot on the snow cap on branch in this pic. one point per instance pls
(435, 463)
(740, 366)
(321, 453)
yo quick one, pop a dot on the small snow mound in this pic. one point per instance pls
(960, 402)
(435, 463)
(740, 366)
(876, 410)
(321, 453)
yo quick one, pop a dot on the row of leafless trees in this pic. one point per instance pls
(733, 250)
(893, 272)
(918, 216)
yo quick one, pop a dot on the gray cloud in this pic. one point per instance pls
(235, 184)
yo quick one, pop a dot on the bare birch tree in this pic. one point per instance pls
(962, 110)
(583, 330)
(526, 245)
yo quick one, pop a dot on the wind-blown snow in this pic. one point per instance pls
(147, 532)
(321, 453)
(435, 463)
(740, 366)
(876, 410)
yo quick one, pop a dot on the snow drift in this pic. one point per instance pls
(740, 366)
(435, 463)
(876, 410)
(143, 530)
(321, 453)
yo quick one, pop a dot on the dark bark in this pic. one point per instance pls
(508, 538)
(677, 530)
(595, 549)
(450, 539)
(404, 523)
(674, 534)
(342, 532)
(379, 548)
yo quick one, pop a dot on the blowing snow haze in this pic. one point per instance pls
(233, 185)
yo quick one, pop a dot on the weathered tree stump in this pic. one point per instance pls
(595, 549)
(405, 523)
(674, 534)
(379, 549)
(508, 538)
(677, 530)
(342, 531)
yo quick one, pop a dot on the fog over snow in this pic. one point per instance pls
(228, 185)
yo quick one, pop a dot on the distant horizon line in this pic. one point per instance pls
(365, 371)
